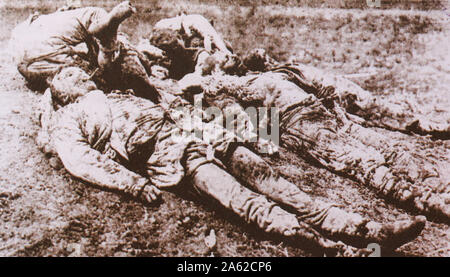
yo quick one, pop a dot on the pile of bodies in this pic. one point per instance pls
(110, 111)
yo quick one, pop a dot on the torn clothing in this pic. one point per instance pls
(324, 134)
(100, 139)
(99, 134)
(124, 143)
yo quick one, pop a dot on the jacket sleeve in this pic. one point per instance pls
(82, 132)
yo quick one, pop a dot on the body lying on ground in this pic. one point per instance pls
(168, 168)
(346, 143)
(84, 37)
(124, 143)
(42, 47)
(320, 131)
(196, 54)
(403, 116)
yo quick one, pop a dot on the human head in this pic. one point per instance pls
(167, 40)
(224, 62)
(195, 42)
(70, 84)
(256, 60)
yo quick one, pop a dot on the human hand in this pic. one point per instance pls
(150, 193)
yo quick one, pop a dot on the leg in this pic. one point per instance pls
(214, 182)
(376, 111)
(348, 227)
(415, 168)
(36, 73)
(317, 134)
(362, 154)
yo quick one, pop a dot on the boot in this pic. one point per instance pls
(352, 229)
(393, 235)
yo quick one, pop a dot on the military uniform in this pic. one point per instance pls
(320, 131)
(100, 147)
(126, 143)
(398, 114)
(391, 114)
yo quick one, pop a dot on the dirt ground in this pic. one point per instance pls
(44, 212)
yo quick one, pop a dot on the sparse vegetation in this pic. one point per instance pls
(44, 211)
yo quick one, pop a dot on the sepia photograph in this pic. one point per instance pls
(225, 128)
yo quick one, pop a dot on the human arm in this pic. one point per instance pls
(79, 138)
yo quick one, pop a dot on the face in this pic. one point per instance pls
(196, 42)
(256, 60)
(70, 84)
(225, 62)
(232, 63)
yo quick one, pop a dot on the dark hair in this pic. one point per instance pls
(166, 39)
(256, 60)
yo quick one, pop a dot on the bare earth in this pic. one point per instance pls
(44, 212)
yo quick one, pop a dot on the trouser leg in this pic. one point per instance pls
(313, 132)
(214, 182)
(415, 170)
(260, 177)
(349, 227)
(378, 111)
(364, 155)
(319, 136)
(252, 207)
(37, 73)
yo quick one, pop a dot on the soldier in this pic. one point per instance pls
(43, 47)
(306, 98)
(125, 143)
(321, 132)
(201, 50)
(376, 112)
(87, 38)
(189, 44)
